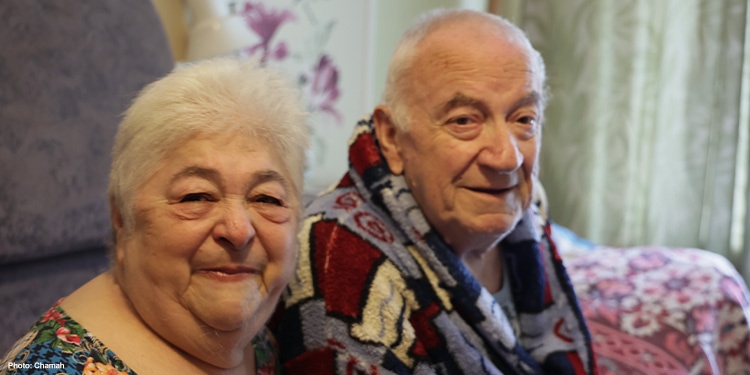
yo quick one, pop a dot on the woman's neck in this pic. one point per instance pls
(102, 308)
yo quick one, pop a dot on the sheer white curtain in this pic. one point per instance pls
(647, 129)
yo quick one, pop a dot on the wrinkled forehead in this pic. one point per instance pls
(472, 57)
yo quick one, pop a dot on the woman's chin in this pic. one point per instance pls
(229, 317)
(227, 308)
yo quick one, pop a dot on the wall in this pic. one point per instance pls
(172, 14)
(358, 37)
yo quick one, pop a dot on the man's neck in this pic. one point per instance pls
(487, 267)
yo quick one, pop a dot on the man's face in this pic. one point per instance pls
(470, 154)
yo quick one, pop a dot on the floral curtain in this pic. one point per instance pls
(320, 45)
(645, 134)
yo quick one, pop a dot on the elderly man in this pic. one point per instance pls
(431, 255)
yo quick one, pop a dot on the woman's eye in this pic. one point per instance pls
(269, 200)
(274, 209)
(196, 197)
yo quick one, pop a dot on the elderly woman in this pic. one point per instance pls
(205, 193)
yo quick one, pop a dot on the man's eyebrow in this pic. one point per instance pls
(460, 100)
(533, 98)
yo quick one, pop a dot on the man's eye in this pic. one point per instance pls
(528, 120)
(196, 197)
(462, 120)
(269, 200)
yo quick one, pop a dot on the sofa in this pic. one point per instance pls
(656, 310)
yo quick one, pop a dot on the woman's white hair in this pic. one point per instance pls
(427, 23)
(217, 96)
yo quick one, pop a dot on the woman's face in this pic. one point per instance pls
(213, 242)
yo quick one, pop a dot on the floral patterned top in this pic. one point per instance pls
(57, 344)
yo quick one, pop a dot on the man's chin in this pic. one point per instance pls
(498, 224)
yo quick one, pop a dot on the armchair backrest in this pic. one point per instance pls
(67, 71)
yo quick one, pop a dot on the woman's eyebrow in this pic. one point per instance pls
(213, 175)
(269, 175)
(198, 171)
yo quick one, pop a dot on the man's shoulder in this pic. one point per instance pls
(343, 217)
(345, 226)
(341, 198)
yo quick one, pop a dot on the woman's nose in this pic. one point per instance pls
(235, 227)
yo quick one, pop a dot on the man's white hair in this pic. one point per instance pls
(427, 23)
(220, 96)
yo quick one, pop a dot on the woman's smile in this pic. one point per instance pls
(229, 273)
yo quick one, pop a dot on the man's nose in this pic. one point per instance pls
(500, 149)
(235, 227)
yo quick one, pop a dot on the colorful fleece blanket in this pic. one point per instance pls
(377, 291)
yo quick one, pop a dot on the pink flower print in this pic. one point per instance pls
(733, 329)
(324, 91)
(605, 370)
(704, 319)
(614, 289)
(734, 290)
(53, 314)
(606, 310)
(640, 324)
(64, 335)
(648, 261)
(265, 22)
(682, 291)
(676, 343)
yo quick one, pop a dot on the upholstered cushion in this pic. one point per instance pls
(67, 71)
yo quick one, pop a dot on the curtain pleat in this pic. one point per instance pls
(644, 126)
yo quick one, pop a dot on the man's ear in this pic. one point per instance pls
(386, 132)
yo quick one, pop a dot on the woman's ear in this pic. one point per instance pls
(118, 229)
(386, 131)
